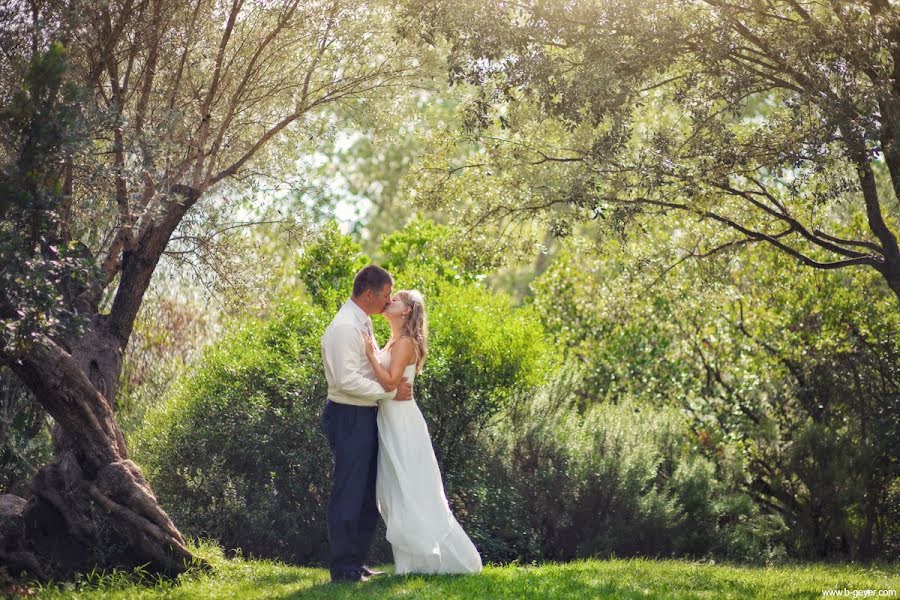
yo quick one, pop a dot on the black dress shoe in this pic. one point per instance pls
(367, 572)
(339, 576)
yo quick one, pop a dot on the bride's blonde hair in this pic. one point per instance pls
(415, 325)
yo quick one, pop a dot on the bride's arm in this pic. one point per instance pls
(402, 354)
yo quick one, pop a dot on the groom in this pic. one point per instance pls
(348, 421)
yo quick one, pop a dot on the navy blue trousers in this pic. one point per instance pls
(352, 433)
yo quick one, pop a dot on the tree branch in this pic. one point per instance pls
(205, 115)
(236, 96)
(757, 235)
(694, 254)
(861, 243)
(873, 206)
(794, 223)
(139, 263)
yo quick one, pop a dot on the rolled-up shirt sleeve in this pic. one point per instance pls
(344, 351)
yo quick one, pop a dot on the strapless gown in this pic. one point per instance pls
(425, 536)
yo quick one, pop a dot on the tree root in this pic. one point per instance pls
(76, 523)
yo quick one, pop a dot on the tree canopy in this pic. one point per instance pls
(775, 122)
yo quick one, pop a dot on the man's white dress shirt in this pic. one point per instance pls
(351, 379)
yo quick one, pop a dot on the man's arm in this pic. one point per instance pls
(344, 352)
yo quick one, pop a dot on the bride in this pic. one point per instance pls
(424, 534)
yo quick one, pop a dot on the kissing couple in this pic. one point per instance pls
(383, 459)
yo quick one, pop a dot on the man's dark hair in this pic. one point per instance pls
(370, 277)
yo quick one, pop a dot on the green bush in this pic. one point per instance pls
(327, 267)
(620, 479)
(794, 370)
(531, 470)
(235, 453)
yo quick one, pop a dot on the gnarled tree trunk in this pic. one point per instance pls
(91, 505)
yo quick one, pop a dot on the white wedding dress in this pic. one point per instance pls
(424, 534)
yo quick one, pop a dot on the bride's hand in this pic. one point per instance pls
(369, 344)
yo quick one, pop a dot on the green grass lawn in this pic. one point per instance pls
(616, 578)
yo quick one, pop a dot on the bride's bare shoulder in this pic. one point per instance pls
(404, 343)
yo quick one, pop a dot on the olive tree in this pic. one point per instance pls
(776, 121)
(120, 119)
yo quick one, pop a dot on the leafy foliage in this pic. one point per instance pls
(617, 479)
(235, 453)
(39, 273)
(327, 267)
(792, 370)
(772, 123)
(690, 450)
(264, 384)
(24, 435)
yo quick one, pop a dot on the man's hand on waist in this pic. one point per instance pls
(404, 390)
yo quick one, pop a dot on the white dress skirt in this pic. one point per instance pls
(424, 535)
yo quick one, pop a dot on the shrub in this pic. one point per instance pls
(532, 473)
(795, 370)
(621, 479)
(235, 453)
